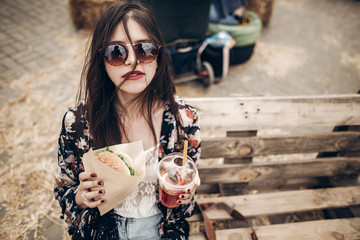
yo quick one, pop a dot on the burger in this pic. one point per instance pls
(119, 162)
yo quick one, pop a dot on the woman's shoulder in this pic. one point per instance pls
(74, 117)
(187, 112)
(184, 106)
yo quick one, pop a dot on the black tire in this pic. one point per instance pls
(215, 57)
(210, 77)
(241, 54)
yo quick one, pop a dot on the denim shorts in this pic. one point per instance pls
(138, 228)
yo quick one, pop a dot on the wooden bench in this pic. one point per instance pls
(290, 165)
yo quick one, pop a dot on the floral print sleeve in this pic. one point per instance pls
(69, 167)
(174, 225)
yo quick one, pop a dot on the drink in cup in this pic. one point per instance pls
(174, 178)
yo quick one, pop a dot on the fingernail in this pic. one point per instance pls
(93, 175)
(188, 190)
(179, 202)
(102, 200)
(181, 196)
(100, 183)
(101, 191)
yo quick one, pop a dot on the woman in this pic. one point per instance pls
(126, 94)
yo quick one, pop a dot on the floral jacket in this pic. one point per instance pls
(75, 141)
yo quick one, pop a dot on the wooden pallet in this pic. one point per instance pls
(275, 157)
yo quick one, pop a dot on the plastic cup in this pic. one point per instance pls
(169, 172)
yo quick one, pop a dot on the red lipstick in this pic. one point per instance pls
(133, 75)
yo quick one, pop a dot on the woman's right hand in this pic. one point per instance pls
(85, 198)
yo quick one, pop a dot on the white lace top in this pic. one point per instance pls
(142, 201)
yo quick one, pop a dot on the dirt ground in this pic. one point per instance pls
(310, 47)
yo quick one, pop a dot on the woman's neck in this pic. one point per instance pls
(134, 118)
(131, 108)
(128, 105)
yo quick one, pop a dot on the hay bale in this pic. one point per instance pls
(85, 13)
(263, 8)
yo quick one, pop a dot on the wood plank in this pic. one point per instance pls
(242, 153)
(343, 153)
(249, 133)
(230, 189)
(251, 113)
(344, 229)
(284, 202)
(257, 172)
(235, 147)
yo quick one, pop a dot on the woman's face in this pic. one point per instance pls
(132, 82)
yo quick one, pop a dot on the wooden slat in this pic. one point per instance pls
(230, 189)
(249, 133)
(232, 147)
(284, 202)
(252, 113)
(317, 167)
(245, 152)
(344, 229)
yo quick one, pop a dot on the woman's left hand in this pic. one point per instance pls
(186, 198)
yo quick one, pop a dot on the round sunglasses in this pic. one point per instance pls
(116, 53)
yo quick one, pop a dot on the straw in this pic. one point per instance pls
(184, 161)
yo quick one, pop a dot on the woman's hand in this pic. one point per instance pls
(186, 198)
(85, 197)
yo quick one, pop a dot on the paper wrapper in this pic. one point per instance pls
(117, 185)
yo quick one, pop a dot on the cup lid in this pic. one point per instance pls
(170, 171)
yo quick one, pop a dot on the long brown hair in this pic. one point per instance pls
(100, 93)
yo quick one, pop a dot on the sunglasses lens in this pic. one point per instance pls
(146, 52)
(115, 55)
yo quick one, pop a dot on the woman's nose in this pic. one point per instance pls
(131, 59)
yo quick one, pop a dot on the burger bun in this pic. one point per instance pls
(113, 161)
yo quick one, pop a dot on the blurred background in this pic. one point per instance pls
(303, 47)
